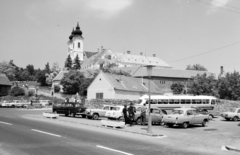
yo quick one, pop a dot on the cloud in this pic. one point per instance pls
(216, 4)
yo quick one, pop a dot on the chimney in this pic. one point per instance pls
(154, 55)
(141, 53)
(128, 52)
(221, 70)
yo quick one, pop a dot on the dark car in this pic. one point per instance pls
(70, 109)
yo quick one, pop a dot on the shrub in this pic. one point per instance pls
(17, 91)
(56, 88)
(31, 92)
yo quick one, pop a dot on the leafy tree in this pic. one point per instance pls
(196, 67)
(41, 78)
(76, 63)
(229, 86)
(17, 91)
(25, 75)
(55, 68)
(8, 69)
(68, 63)
(71, 82)
(177, 87)
(30, 69)
(47, 68)
(57, 88)
(203, 85)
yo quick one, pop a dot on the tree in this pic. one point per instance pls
(229, 86)
(55, 68)
(41, 78)
(68, 63)
(76, 63)
(30, 69)
(197, 67)
(47, 68)
(203, 85)
(71, 82)
(17, 91)
(177, 87)
(8, 69)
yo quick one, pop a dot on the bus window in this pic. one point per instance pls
(194, 101)
(176, 101)
(165, 101)
(199, 101)
(154, 102)
(171, 101)
(139, 101)
(182, 101)
(188, 101)
(204, 101)
(213, 101)
(160, 101)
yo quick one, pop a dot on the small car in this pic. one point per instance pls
(96, 113)
(234, 114)
(115, 112)
(156, 116)
(185, 117)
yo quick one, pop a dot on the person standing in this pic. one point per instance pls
(143, 114)
(131, 111)
(125, 114)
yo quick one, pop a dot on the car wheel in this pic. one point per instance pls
(66, 114)
(83, 116)
(95, 116)
(169, 125)
(185, 125)
(13, 106)
(204, 123)
(138, 121)
(121, 119)
(210, 117)
(228, 119)
(73, 114)
(235, 118)
(89, 117)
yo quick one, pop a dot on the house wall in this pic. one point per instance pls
(4, 90)
(100, 85)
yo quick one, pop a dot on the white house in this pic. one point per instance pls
(113, 86)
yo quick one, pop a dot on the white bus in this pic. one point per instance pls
(203, 103)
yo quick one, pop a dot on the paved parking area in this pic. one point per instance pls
(216, 134)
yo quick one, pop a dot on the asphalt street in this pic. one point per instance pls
(21, 136)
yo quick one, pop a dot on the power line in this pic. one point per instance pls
(227, 5)
(205, 52)
(219, 7)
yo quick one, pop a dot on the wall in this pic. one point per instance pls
(4, 90)
(122, 94)
(100, 85)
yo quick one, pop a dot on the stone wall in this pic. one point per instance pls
(226, 105)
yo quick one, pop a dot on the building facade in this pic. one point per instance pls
(5, 85)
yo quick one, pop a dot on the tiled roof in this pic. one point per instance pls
(4, 80)
(121, 82)
(88, 54)
(141, 60)
(87, 73)
(164, 72)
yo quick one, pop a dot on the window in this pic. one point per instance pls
(171, 101)
(189, 112)
(199, 101)
(154, 102)
(182, 101)
(194, 101)
(205, 101)
(156, 111)
(176, 101)
(78, 45)
(106, 108)
(239, 111)
(165, 101)
(188, 101)
(99, 95)
(213, 101)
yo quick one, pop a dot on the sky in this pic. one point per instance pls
(180, 32)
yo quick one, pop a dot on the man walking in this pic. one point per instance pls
(143, 114)
(125, 114)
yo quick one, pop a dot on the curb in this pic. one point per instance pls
(139, 133)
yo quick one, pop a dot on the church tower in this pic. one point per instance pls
(75, 44)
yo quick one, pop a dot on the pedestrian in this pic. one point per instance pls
(67, 99)
(131, 112)
(125, 114)
(143, 114)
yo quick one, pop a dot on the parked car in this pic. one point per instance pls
(156, 115)
(234, 114)
(96, 113)
(70, 108)
(15, 103)
(211, 114)
(115, 112)
(185, 117)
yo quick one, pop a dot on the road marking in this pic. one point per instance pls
(46, 133)
(107, 148)
(5, 123)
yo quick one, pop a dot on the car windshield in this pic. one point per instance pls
(232, 110)
(177, 111)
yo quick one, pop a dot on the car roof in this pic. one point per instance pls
(184, 109)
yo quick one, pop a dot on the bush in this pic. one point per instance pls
(56, 88)
(17, 91)
(31, 92)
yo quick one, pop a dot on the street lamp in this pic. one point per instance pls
(149, 72)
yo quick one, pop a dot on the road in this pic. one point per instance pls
(21, 136)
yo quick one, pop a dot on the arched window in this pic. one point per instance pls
(78, 45)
